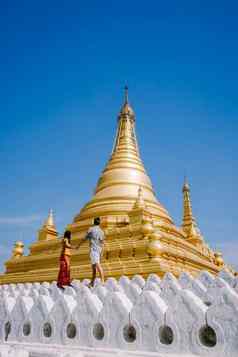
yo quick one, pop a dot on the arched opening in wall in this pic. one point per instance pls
(129, 333)
(47, 329)
(26, 329)
(98, 331)
(71, 330)
(207, 336)
(7, 329)
(166, 335)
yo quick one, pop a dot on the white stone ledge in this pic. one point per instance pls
(37, 350)
(164, 316)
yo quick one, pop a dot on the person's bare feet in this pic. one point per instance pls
(61, 287)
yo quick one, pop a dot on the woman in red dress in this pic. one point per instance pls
(64, 272)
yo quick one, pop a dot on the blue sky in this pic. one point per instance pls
(63, 66)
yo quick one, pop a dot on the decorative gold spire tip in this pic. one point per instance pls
(126, 108)
(50, 220)
(186, 184)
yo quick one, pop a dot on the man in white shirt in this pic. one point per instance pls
(95, 236)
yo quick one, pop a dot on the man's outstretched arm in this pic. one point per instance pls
(87, 237)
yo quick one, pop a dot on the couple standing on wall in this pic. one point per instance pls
(95, 236)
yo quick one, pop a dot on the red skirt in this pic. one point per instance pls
(64, 272)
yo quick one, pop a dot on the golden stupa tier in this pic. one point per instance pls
(141, 238)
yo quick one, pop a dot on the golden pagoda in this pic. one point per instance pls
(141, 237)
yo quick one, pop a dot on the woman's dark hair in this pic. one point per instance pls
(96, 221)
(67, 234)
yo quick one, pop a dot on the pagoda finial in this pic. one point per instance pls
(50, 220)
(126, 137)
(48, 230)
(186, 184)
(187, 207)
(126, 108)
(189, 223)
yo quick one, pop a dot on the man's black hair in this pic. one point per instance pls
(67, 234)
(97, 221)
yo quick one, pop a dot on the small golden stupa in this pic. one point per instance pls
(141, 237)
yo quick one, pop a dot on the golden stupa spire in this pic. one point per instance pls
(187, 207)
(49, 222)
(117, 188)
(189, 223)
(126, 136)
(48, 229)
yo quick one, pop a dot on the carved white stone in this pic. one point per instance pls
(147, 315)
(171, 316)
